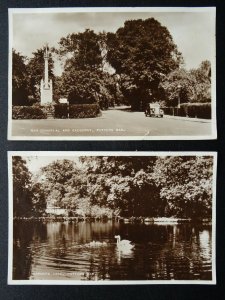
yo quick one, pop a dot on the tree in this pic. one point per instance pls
(142, 53)
(202, 87)
(81, 87)
(82, 50)
(127, 185)
(122, 184)
(19, 79)
(22, 204)
(88, 87)
(38, 198)
(178, 85)
(58, 177)
(83, 80)
(185, 184)
(188, 86)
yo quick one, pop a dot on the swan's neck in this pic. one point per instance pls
(118, 240)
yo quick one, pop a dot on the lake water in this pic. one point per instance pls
(64, 250)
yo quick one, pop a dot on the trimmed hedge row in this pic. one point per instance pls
(61, 111)
(192, 110)
(83, 111)
(28, 112)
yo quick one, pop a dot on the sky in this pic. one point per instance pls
(192, 32)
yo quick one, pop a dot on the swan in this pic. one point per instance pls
(123, 244)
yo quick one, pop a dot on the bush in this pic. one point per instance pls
(61, 111)
(20, 96)
(173, 111)
(84, 111)
(28, 112)
(192, 110)
(197, 110)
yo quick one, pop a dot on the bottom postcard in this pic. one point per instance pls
(112, 217)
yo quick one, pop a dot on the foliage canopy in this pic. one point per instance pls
(130, 186)
(142, 53)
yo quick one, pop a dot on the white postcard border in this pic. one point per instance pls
(107, 153)
(12, 11)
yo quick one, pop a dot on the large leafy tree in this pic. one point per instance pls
(188, 86)
(87, 87)
(19, 79)
(83, 80)
(22, 204)
(123, 184)
(29, 195)
(81, 86)
(56, 177)
(82, 50)
(142, 53)
(179, 85)
(38, 198)
(185, 185)
(203, 82)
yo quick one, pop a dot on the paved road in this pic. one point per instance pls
(114, 122)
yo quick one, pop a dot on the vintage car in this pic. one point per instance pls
(154, 110)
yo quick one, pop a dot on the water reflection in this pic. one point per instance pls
(65, 250)
(123, 253)
(205, 241)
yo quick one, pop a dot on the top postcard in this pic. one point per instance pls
(112, 74)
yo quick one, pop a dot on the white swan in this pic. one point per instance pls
(123, 244)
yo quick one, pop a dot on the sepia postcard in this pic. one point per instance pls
(112, 73)
(78, 218)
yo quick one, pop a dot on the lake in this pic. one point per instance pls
(66, 251)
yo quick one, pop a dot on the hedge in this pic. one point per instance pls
(199, 110)
(193, 110)
(28, 112)
(84, 111)
(61, 111)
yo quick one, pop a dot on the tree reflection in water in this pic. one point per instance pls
(61, 250)
(27, 238)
